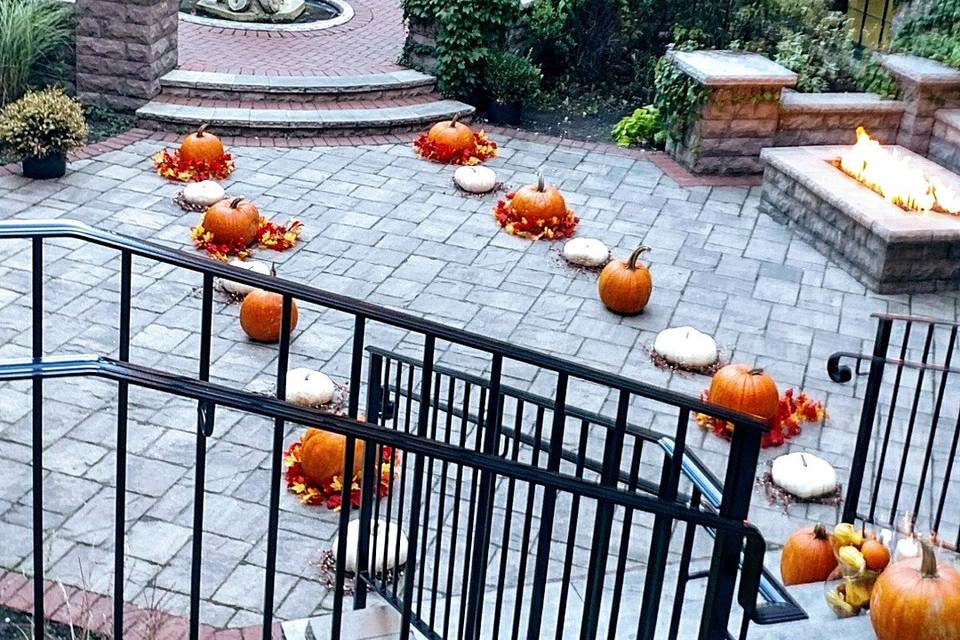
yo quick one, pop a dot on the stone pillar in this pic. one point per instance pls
(925, 87)
(420, 49)
(740, 115)
(123, 48)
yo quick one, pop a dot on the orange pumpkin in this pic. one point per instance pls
(917, 600)
(454, 135)
(201, 147)
(807, 556)
(742, 388)
(537, 202)
(322, 455)
(232, 222)
(261, 313)
(624, 285)
(875, 554)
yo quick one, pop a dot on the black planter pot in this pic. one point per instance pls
(509, 113)
(52, 166)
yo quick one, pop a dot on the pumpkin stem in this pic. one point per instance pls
(540, 183)
(755, 372)
(928, 560)
(632, 260)
(454, 120)
(273, 269)
(235, 202)
(803, 459)
(201, 130)
(820, 532)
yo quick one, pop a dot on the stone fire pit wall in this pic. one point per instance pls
(925, 86)
(945, 140)
(887, 249)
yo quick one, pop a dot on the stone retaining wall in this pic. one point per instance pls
(123, 48)
(832, 118)
(945, 140)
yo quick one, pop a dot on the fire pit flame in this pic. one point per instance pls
(895, 178)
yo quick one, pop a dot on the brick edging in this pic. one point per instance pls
(664, 162)
(64, 604)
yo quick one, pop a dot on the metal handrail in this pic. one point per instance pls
(81, 231)
(247, 401)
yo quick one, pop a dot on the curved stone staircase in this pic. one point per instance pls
(299, 106)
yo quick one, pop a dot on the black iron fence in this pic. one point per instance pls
(903, 469)
(486, 470)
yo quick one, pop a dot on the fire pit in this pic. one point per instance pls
(888, 216)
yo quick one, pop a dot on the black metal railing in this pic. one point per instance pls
(903, 468)
(529, 460)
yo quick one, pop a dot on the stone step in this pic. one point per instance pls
(821, 621)
(311, 89)
(378, 621)
(300, 122)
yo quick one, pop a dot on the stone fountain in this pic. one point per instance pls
(254, 10)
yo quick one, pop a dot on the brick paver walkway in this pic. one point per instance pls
(368, 43)
(385, 226)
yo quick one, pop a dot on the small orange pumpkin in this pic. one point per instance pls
(875, 554)
(321, 455)
(807, 556)
(743, 388)
(454, 135)
(233, 222)
(539, 202)
(261, 313)
(917, 599)
(624, 285)
(201, 147)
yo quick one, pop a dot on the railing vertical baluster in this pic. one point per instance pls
(572, 532)
(527, 523)
(423, 421)
(683, 571)
(120, 517)
(660, 535)
(934, 421)
(346, 495)
(734, 506)
(205, 418)
(37, 437)
(507, 520)
(603, 522)
(472, 512)
(434, 417)
(545, 537)
(491, 439)
(914, 408)
(402, 497)
(865, 432)
(276, 466)
(947, 473)
(441, 507)
(370, 481)
(615, 598)
(455, 525)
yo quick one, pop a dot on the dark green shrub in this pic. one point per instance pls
(930, 28)
(509, 78)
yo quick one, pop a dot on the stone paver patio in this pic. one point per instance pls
(384, 226)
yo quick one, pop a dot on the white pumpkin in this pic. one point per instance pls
(203, 193)
(686, 347)
(309, 388)
(239, 288)
(475, 179)
(586, 252)
(387, 556)
(804, 475)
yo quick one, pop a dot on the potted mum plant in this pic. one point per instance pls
(510, 81)
(40, 128)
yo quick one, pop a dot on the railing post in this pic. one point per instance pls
(735, 506)
(120, 517)
(867, 416)
(369, 481)
(37, 442)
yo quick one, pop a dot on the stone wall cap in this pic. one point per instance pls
(949, 117)
(920, 70)
(718, 68)
(837, 102)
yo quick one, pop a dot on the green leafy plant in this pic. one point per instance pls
(874, 78)
(32, 32)
(930, 28)
(643, 126)
(509, 78)
(466, 32)
(42, 123)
